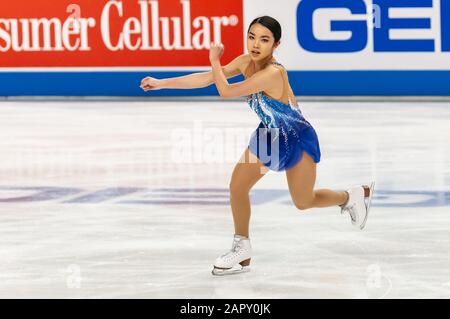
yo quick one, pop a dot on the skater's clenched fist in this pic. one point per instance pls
(150, 83)
(216, 52)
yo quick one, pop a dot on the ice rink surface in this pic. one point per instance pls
(130, 200)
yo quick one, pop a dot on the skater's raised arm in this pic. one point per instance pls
(192, 81)
(260, 81)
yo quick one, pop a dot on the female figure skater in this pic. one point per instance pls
(283, 132)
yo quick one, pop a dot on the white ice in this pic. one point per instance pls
(99, 200)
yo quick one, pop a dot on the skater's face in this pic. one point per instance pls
(260, 42)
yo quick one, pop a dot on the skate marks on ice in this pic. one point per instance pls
(92, 205)
(140, 251)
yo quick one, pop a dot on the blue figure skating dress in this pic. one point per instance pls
(283, 134)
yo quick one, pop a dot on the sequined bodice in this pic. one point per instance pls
(284, 134)
(273, 113)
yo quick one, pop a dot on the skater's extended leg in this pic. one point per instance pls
(301, 179)
(246, 173)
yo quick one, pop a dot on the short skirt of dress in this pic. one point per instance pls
(280, 149)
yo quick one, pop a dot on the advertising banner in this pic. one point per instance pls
(330, 47)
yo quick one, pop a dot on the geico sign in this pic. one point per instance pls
(383, 24)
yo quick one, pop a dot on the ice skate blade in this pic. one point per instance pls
(369, 200)
(230, 271)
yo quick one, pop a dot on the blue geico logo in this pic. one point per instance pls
(382, 24)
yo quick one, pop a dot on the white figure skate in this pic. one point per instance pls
(237, 260)
(357, 206)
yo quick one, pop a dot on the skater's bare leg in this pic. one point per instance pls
(301, 179)
(246, 173)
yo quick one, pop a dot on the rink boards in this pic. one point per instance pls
(105, 48)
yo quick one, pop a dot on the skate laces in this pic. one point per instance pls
(235, 247)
